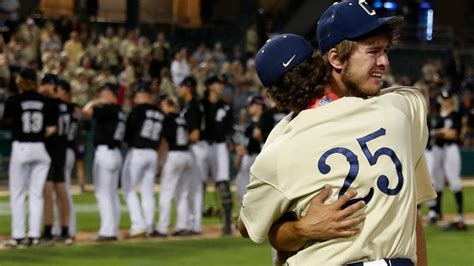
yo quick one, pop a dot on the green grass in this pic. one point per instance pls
(224, 251)
(89, 222)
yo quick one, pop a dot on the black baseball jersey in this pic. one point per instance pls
(218, 121)
(193, 112)
(109, 125)
(451, 121)
(270, 117)
(253, 145)
(175, 132)
(74, 128)
(144, 125)
(434, 122)
(28, 114)
(56, 145)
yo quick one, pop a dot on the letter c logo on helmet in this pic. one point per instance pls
(367, 8)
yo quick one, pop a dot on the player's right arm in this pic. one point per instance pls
(88, 110)
(320, 223)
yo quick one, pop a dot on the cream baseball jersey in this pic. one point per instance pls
(370, 145)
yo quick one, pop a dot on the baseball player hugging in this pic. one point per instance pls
(56, 146)
(109, 131)
(142, 134)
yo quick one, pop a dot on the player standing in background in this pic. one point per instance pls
(109, 130)
(193, 113)
(56, 145)
(176, 172)
(447, 159)
(64, 93)
(142, 134)
(248, 150)
(30, 120)
(270, 117)
(218, 128)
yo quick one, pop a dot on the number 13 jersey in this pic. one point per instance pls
(370, 145)
(29, 113)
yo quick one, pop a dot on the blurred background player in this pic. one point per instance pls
(250, 147)
(193, 113)
(56, 145)
(109, 130)
(176, 172)
(64, 93)
(270, 117)
(218, 128)
(142, 134)
(28, 116)
(447, 160)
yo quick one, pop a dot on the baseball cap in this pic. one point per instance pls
(189, 81)
(279, 55)
(111, 87)
(49, 78)
(347, 20)
(256, 100)
(64, 85)
(28, 74)
(142, 87)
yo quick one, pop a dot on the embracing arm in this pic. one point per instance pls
(422, 259)
(321, 222)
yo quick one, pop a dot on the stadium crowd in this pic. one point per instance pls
(127, 63)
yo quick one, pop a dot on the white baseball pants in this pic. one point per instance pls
(106, 173)
(446, 163)
(28, 169)
(140, 170)
(174, 183)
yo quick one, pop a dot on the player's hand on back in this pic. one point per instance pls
(327, 221)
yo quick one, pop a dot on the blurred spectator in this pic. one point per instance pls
(74, 49)
(80, 88)
(159, 55)
(179, 67)
(251, 41)
(105, 76)
(218, 54)
(166, 84)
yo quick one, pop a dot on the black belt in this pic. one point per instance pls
(390, 262)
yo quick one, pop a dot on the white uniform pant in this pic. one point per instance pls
(174, 183)
(70, 162)
(68, 167)
(106, 171)
(214, 157)
(196, 196)
(140, 170)
(446, 162)
(28, 169)
(243, 176)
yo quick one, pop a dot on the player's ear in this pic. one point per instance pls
(333, 58)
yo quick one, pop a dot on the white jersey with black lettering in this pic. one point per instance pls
(373, 146)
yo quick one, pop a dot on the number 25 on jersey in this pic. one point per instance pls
(372, 158)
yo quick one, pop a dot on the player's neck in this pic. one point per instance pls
(337, 86)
